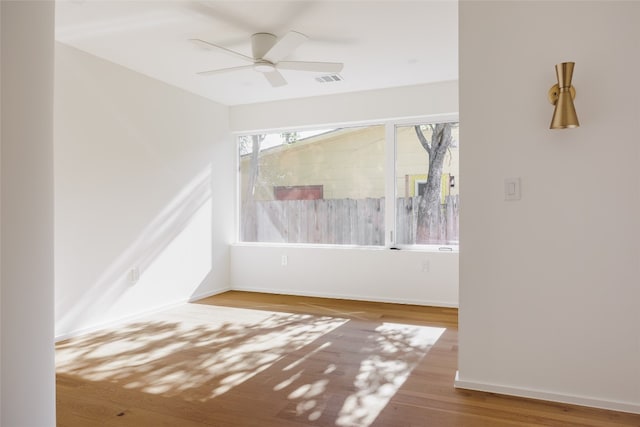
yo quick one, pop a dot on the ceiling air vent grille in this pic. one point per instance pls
(329, 78)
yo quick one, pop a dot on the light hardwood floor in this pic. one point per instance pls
(248, 359)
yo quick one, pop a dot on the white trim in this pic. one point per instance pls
(441, 249)
(390, 185)
(197, 297)
(238, 196)
(426, 303)
(399, 121)
(591, 402)
(127, 319)
(427, 119)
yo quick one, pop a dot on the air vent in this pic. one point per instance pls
(329, 78)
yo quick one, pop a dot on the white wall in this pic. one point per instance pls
(27, 370)
(417, 277)
(400, 102)
(1, 215)
(411, 277)
(549, 284)
(138, 167)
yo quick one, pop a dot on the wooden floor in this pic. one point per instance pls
(248, 359)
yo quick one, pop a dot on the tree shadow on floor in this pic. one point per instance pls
(206, 364)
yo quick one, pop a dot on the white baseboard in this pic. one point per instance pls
(203, 295)
(132, 317)
(548, 396)
(345, 296)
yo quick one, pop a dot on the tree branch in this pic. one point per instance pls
(423, 139)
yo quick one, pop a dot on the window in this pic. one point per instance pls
(331, 187)
(325, 187)
(426, 187)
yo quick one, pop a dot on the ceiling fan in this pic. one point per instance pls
(268, 52)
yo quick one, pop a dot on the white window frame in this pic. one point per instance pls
(390, 180)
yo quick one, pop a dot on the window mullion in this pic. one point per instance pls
(390, 184)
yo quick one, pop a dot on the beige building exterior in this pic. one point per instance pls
(346, 163)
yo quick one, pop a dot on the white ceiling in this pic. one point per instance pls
(381, 43)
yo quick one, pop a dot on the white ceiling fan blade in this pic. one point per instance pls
(285, 46)
(318, 67)
(224, 70)
(224, 49)
(275, 78)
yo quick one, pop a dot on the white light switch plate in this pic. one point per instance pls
(512, 189)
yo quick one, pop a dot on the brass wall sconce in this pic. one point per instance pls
(562, 95)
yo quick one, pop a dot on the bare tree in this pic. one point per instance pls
(249, 213)
(289, 137)
(429, 203)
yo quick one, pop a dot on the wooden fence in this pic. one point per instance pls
(343, 221)
(444, 231)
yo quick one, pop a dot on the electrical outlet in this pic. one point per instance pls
(425, 266)
(134, 275)
(284, 261)
(512, 189)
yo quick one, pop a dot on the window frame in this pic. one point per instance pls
(424, 120)
(390, 126)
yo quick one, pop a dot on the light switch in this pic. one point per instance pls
(512, 189)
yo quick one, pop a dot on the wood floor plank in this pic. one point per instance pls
(247, 359)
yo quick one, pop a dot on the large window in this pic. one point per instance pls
(324, 187)
(333, 186)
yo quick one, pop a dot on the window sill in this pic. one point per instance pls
(423, 248)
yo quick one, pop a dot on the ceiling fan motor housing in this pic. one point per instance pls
(261, 43)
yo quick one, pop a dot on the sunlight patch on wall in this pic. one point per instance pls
(172, 252)
(183, 262)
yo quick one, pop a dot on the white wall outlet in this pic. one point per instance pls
(512, 189)
(284, 261)
(134, 275)
(426, 266)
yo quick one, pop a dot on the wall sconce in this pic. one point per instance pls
(562, 95)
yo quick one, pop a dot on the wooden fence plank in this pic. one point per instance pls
(346, 221)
